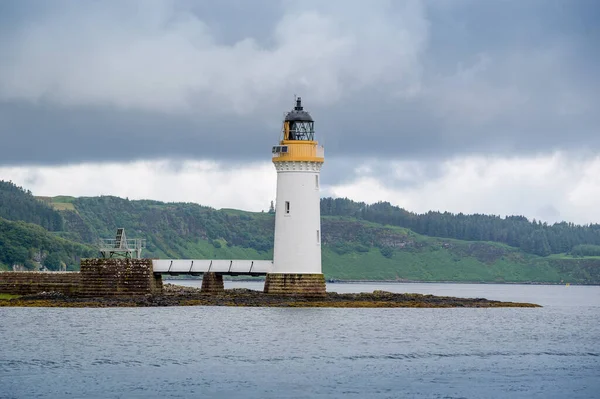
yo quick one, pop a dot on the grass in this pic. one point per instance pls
(238, 212)
(570, 257)
(5, 297)
(435, 263)
(62, 206)
(61, 202)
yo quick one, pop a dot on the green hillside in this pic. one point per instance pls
(360, 242)
(353, 249)
(532, 237)
(19, 204)
(32, 247)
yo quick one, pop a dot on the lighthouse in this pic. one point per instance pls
(298, 159)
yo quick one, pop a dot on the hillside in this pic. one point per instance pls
(516, 231)
(19, 204)
(354, 247)
(31, 247)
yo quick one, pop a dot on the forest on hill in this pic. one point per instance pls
(16, 203)
(360, 241)
(516, 231)
(30, 246)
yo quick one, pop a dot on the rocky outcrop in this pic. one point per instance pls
(187, 296)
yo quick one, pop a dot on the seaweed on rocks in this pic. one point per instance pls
(175, 295)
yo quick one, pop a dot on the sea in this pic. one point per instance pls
(236, 352)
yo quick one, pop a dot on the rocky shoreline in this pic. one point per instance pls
(174, 295)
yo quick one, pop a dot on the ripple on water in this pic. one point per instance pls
(552, 352)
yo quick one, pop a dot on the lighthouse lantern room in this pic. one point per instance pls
(298, 159)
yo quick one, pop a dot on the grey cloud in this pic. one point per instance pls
(192, 79)
(400, 175)
(50, 135)
(164, 58)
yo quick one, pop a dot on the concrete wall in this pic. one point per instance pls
(109, 277)
(24, 283)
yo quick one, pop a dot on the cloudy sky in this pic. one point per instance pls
(460, 105)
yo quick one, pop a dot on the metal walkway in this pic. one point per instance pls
(196, 267)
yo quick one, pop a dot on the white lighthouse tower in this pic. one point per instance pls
(297, 253)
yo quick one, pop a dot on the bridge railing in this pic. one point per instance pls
(113, 243)
(222, 266)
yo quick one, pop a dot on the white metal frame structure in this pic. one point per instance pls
(121, 246)
(232, 267)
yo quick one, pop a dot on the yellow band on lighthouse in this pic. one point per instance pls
(308, 151)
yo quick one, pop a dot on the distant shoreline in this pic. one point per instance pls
(335, 281)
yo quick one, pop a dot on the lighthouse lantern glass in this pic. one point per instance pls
(298, 124)
(301, 130)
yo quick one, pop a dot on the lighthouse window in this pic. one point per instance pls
(316, 181)
(287, 207)
(278, 149)
(318, 236)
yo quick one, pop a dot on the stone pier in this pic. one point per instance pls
(25, 283)
(118, 277)
(310, 285)
(97, 278)
(212, 283)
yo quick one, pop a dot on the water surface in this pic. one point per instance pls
(220, 352)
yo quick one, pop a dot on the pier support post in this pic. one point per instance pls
(212, 283)
(312, 285)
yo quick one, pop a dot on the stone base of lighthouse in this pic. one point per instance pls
(295, 284)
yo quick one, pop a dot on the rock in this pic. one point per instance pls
(174, 295)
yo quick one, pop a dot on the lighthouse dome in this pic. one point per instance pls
(298, 114)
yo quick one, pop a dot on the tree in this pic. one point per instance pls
(386, 251)
(52, 261)
(539, 243)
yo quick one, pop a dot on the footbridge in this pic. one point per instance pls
(196, 267)
(121, 247)
(212, 270)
